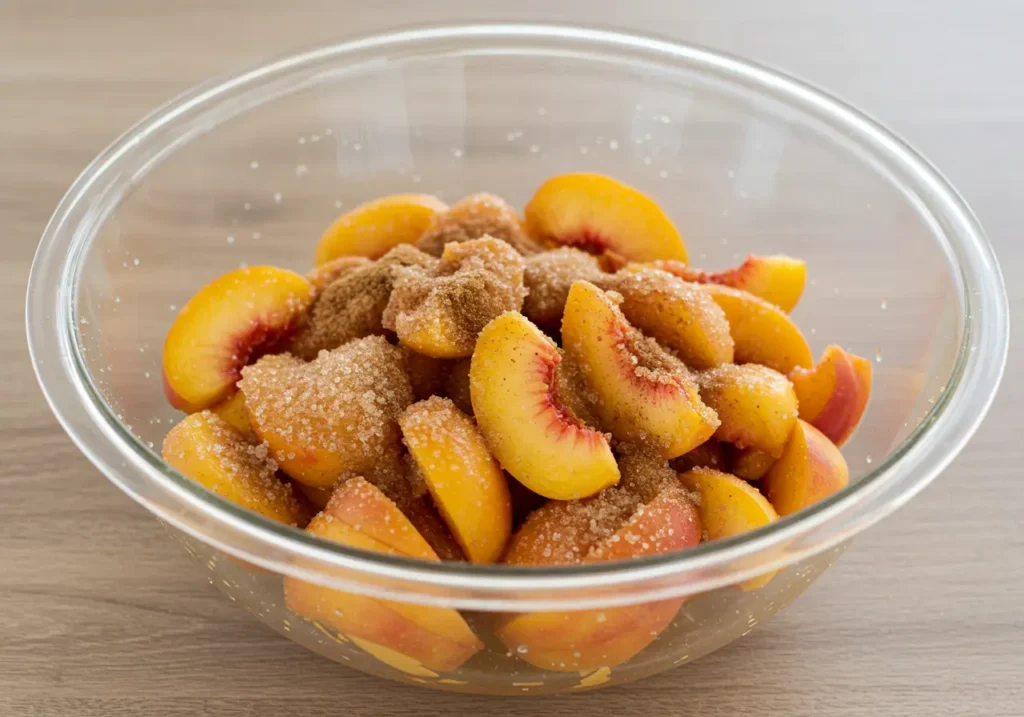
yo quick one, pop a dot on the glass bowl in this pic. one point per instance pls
(250, 169)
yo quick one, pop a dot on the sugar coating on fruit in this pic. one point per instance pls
(644, 472)
(212, 452)
(343, 405)
(548, 278)
(441, 312)
(326, 274)
(456, 386)
(352, 306)
(756, 405)
(475, 217)
(649, 530)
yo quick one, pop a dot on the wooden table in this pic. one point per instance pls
(99, 613)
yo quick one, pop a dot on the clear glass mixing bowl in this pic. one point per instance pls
(250, 169)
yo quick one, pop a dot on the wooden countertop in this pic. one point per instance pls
(99, 613)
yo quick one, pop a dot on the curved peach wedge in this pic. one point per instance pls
(233, 410)
(811, 468)
(594, 212)
(757, 407)
(751, 464)
(373, 228)
(762, 332)
(241, 314)
(214, 454)
(834, 394)
(642, 393)
(678, 314)
(466, 483)
(729, 506)
(585, 532)
(335, 414)
(536, 437)
(777, 279)
(360, 516)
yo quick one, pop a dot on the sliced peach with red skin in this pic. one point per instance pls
(777, 279)
(217, 456)
(597, 213)
(751, 464)
(757, 406)
(761, 331)
(360, 516)
(466, 483)
(535, 436)
(642, 393)
(242, 314)
(374, 228)
(679, 315)
(729, 506)
(834, 394)
(584, 640)
(811, 468)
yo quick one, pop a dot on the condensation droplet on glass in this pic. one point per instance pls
(813, 331)
(534, 148)
(136, 262)
(665, 119)
(301, 170)
(357, 146)
(867, 459)
(302, 140)
(878, 355)
(973, 349)
(173, 307)
(231, 239)
(612, 144)
(278, 197)
(584, 149)
(84, 321)
(416, 179)
(247, 207)
(337, 204)
(314, 138)
(254, 164)
(117, 299)
(257, 235)
(743, 194)
(457, 152)
(813, 282)
(835, 289)
(724, 241)
(514, 135)
(884, 304)
(330, 131)
(663, 173)
(522, 649)
(648, 136)
(542, 111)
(731, 174)
(648, 160)
(147, 374)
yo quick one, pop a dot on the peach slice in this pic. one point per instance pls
(336, 414)
(757, 406)
(233, 411)
(811, 468)
(360, 516)
(441, 314)
(752, 464)
(230, 320)
(214, 454)
(475, 217)
(514, 388)
(373, 228)
(585, 532)
(729, 506)
(595, 213)
(466, 483)
(548, 278)
(834, 394)
(777, 279)
(641, 392)
(326, 274)
(761, 331)
(679, 315)
(425, 518)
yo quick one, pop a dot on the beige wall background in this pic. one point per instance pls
(100, 614)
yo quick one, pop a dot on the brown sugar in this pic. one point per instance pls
(444, 310)
(548, 278)
(474, 217)
(643, 471)
(351, 307)
(335, 414)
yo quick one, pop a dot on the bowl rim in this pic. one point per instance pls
(52, 329)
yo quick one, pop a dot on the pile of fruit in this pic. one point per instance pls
(461, 383)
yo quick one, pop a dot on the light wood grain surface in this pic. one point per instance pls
(100, 614)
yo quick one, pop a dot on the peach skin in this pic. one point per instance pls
(335, 414)
(238, 316)
(641, 392)
(570, 641)
(466, 483)
(761, 331)
(729, 506)
(373, 228)
(211, 452)
(679, 315)
(811, 468)
(834, 394)
(360, 516)
(514, 388)
(777, 279)
(756, 406)
(596, 213)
